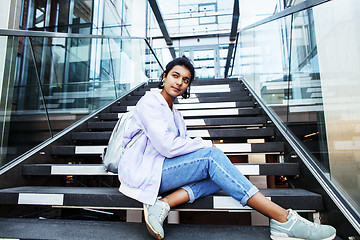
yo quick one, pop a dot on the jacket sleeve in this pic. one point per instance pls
(153, 120)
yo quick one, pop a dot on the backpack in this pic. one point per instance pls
(112, 153)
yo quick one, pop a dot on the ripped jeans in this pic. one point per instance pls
(205, 172)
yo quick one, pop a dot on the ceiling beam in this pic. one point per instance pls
(235, 21)
(156, 10)
(233, 32)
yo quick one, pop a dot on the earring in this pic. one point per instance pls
(163, 83)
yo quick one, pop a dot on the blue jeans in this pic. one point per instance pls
(205, 172)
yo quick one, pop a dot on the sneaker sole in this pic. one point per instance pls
(150, 229)
(289, 238)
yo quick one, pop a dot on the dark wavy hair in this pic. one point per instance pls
(181, 61)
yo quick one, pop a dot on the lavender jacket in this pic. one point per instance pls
(164, 136)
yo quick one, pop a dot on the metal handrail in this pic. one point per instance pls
(286, 12)
(28, 33)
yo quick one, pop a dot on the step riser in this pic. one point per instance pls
(198, 113)
(227, 148)
(217, 112)
(274, 169)
(192, 106)
(192, 123)
(204, 94)
(111, 198)
(132, 100)
(204, 90)
(211, 134)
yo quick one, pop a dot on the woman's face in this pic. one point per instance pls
(176, 81)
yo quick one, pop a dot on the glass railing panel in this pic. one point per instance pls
(261, 57)
(24, 121)
(133, 62)
(270, 72)
(337, 30)
(72, 78)
(305, 110)
(153, 69)
(305, 67)
(245, 55)
(55, 81)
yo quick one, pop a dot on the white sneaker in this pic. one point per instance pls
(298, 227)
(154, 217)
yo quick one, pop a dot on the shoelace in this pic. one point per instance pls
(162, 213)
(297, 216)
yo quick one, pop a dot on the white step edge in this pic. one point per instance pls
(227, 202)
(41, 199)
(188, 100)
(203, 89)
(79, 169)
(89, 149)
(194, 122)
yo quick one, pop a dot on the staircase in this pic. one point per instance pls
(64, 193)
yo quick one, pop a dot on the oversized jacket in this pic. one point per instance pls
(163, 136)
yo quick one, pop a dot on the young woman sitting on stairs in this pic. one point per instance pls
(164, 158)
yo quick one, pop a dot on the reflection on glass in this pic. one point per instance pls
(306, 113)
(26, 124)
(305, 68)
(60, 80)
(336, 26)
(204, 63)
(39, 14)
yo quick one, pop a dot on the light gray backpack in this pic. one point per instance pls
(112, 153)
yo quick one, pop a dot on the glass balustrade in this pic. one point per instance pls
(51, 82)
(305, 67)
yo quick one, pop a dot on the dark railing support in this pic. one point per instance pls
(40, 87)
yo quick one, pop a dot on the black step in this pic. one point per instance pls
(244, 104)
(210, 134)
(228, 148)
(297, 199)
(30, 228)
(210, 122)
(200, 82)
(239, 112)
(132, 100)
(220, 112)
(233, 93)
(271, 169)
